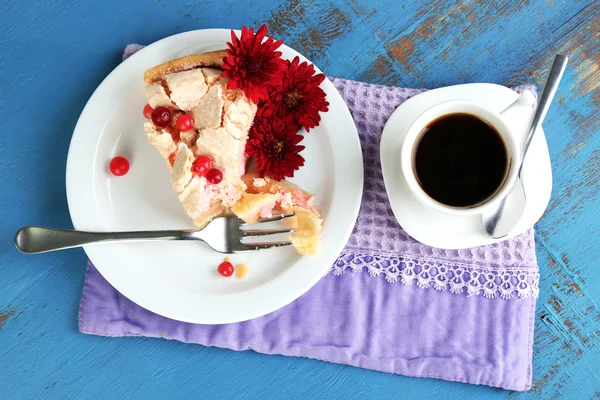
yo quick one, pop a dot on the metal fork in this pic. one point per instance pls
(227, 234)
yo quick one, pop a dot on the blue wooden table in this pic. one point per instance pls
(52, 56)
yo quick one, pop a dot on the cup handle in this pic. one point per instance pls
(518, 115)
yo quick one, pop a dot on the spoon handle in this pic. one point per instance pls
(554, 76)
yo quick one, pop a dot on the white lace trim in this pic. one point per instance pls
(443, 275)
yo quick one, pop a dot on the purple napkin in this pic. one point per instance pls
(389, 303)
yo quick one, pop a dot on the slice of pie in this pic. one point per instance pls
(193, 86)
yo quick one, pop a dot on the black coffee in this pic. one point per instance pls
(460, 160)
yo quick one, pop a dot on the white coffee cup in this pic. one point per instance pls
(510, 125)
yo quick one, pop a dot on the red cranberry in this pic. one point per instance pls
(214, 176)
(119, 166)
(202, 165)
(225, 269)
(161, 116)
(148, 111)
(184, 123)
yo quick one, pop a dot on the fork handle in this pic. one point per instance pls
(37, 239)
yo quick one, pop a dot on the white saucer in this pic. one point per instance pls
(438, 229)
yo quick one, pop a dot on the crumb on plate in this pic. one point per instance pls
(241, 270)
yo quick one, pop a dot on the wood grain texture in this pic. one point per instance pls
(53, 55)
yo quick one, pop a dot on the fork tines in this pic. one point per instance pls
(261, 233)
(266, 245)
(273, 219)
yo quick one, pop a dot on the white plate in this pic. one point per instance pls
(179, 279)
(438, 229)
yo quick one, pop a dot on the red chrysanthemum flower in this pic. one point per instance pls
(274, 145)
(298, 98)
(253, 65)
